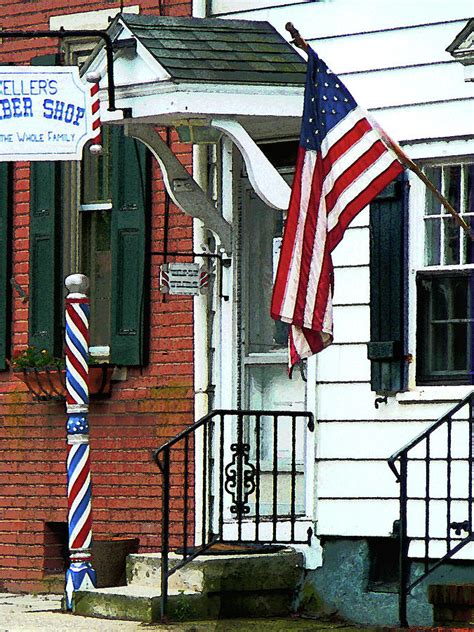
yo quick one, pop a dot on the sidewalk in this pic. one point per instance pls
(42, 613)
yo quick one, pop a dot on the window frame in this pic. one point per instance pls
(417, 268)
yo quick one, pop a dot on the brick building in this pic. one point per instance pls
(152, 398)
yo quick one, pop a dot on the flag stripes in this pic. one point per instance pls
(342, 164)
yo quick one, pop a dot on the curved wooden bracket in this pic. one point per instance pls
(182, 188)
(264, 178)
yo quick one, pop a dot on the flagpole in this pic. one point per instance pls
(401, 155)
(408, 162)
(297, 39)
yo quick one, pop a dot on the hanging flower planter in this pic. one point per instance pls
(49, 383)
(45, 376)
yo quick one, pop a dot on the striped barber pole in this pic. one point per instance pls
(77, 351)
(80, 574)
(96, 147)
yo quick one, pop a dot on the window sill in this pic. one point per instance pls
(434, 394)
(271, 357)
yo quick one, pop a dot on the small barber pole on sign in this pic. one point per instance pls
(96, 147)
(186, 279)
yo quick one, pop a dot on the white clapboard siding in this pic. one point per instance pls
(437, 549)
(344, 363)
(356, 479)
(234, 6)
(353, 249)
(342, 17)
(437, 517)
(351, 323)
(401, 47)
(351, 286)
(449, 119)
(401, 86)
(361, 220)
(438, 479)
(342, 402)
(393, 57)
(356, 518)
(377, 439)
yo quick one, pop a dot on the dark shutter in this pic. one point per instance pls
(45, 284)
(6, 185)
(388, 295)
(128, 239)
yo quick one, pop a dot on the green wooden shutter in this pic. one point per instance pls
(45, 284)
(128, 241)
(6, 185)
(388, 295)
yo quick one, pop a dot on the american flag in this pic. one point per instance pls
(342, 164)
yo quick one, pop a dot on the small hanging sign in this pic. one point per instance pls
(187, 279)
(45, 113)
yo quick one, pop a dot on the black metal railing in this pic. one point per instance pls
(435, 472)
(243, 470)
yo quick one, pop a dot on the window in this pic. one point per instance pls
(445, 283)
(90, 217)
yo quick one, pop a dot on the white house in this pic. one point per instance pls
(402, 352)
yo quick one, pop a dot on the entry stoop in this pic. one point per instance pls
(453, 604)
(209, 587)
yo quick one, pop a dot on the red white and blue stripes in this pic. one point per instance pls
(77, 351)
(79, 496)
(80, 574)
(342, 164)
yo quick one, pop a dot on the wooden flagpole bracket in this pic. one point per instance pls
(297, 39)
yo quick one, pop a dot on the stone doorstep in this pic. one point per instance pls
(142, 603)
(221, 573)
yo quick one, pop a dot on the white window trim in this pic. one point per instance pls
(416, 248)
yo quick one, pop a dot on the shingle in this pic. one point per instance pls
(218, 51)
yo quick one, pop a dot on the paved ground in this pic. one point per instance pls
(42, 613)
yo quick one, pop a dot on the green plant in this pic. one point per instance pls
(32, 357)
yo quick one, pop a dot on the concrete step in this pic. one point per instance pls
(209, 587)
(280, 570)
(142, 603)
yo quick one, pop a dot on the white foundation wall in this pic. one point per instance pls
(393, 59)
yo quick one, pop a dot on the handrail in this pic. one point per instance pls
(221, 411)
(453, 543)
(235, 469)
(439, 422)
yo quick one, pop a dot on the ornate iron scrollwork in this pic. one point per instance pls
(240, 479)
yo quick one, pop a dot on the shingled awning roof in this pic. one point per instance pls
(218, 51)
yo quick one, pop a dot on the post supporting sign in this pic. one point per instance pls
(45, 113)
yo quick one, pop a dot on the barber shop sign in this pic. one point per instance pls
(45, 113)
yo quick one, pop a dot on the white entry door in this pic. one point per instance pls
(284, 441)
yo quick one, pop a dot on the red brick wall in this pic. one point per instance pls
(152, 405)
